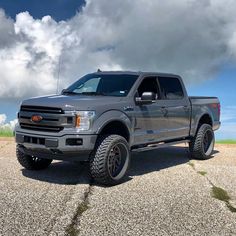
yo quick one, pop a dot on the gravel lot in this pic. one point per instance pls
(165, 194)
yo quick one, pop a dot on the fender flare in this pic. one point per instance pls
(195, 128)
(110, 116)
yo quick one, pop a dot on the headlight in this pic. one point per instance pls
(84, 119)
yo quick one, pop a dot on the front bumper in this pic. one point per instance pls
(56, 147)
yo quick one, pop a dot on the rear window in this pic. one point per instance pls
(171, 88)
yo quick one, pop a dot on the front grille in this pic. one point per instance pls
(34, 140)
(41, 109)
(45, 119)
(41, 128)
(53, 119)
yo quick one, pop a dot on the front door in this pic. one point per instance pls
(149, 119)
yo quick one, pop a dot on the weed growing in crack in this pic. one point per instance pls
(216, 192)
(231, 208)
(191, 164)
(203, 173)
(72, 230)
(222, 195)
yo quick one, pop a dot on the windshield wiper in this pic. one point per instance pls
(83, 93)
(69, 92)
(93, 93)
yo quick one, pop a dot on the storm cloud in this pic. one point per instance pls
(193, 38)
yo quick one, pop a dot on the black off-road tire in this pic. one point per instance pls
(196, 146)
(30, 162)
(100, 167)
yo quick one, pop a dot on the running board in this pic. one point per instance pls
(158, 145)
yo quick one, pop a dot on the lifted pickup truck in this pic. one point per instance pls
(104, 116)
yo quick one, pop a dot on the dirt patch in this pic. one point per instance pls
(225, 145)
(7, 139)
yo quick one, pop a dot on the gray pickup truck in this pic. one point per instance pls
(104, 116)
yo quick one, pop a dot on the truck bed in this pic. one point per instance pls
(197, 100)
(207, 105)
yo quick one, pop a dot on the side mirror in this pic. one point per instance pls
(146, 98)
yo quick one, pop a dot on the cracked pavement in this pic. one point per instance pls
(163, 195)
(41, 202)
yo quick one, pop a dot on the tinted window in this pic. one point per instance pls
(148, 84)
(88, 86)
(104, 84)
(171, 88)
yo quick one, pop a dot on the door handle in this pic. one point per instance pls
(164, 110)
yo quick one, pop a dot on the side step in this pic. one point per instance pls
(159, 145)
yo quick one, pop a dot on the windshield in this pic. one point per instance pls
(105, 84)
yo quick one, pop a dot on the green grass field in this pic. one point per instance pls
(6, 132)
(226, 141)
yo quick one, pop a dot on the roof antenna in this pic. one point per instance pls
(58, 75)
(99, 70)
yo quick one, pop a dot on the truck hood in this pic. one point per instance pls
(73, 102)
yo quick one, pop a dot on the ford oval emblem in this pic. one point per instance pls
(36, 118)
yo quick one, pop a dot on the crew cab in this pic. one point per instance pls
(105, 116)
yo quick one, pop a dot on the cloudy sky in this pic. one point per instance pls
(194, 38)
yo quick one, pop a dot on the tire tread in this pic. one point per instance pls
(195, 146)
(98, 160)
(27, 162)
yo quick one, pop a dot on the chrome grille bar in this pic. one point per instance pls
(53, 119)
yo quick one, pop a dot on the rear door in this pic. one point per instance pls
(177, 106)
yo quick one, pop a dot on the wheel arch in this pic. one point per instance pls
(114, 121)
(115, 126)
(205, 118)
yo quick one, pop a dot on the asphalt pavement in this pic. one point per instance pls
(166, 193)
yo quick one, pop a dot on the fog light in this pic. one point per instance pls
(74, 141)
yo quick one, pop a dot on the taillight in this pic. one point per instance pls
(218, 106)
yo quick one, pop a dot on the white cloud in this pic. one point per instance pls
(190, 37)
(11, 125)
(3, 124)
(3, 118)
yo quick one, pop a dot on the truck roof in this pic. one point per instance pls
(136, 73)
